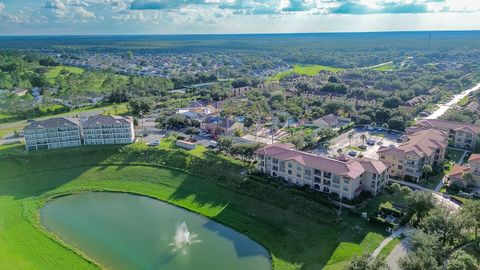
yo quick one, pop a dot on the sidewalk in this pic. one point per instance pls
(387, 240)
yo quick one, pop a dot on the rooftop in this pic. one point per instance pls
(53, 123)
(422, 142)
(444, 124)
(107, 120)
(350, 168)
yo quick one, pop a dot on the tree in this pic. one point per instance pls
(460, 260)
(419, 203)
(419, 260)
(350, 137)
(363, 137)
(396, 187)
(366, 262)
(141, 105)
(224, 144)
(471, 212)
(426, 169)
(445, 222)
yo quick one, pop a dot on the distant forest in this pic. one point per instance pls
(346, 50)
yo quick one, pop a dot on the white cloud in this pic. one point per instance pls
(2, 7)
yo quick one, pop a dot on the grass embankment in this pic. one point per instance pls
(300, 233)
(53, 73)
(308, 70)
(454, 154)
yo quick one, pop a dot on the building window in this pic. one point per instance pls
(289, 172)
(373, 184)
(346, 181)
(327, 174)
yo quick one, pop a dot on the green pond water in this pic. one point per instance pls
(125, 231)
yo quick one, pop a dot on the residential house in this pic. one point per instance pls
(346, 177)
(462, 135)
(425, 147)
(220, 126)
(20, 91)
(330, 121)
(467, 175)
(108, 129)
(52, 133)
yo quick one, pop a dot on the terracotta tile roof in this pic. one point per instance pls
(446, 125)
(350, 168)
(474, 158)
(422, 143)
(458, 171)
(53, 123)
(372, 165)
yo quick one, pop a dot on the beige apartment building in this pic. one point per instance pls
(346, 177)
(108, 129)
(52, 133)
(426, 146)
(464, 136)
(457, 175)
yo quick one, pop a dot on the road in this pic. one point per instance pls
(443, 108)
(398, 252)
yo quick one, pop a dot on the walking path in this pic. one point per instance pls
(387, 240)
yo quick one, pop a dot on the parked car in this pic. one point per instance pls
(154, 143)
(363, 147)
(371, 142)
(352, 153)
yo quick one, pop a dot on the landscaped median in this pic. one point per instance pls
(298, 232)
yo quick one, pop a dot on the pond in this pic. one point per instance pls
(125, 231)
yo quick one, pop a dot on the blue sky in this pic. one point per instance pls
(27, 17)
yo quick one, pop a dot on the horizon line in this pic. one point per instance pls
(237, 34)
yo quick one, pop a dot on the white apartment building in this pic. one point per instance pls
(52, 133)
(346, 177)
(108, 129)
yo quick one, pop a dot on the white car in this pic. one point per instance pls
(154, 143)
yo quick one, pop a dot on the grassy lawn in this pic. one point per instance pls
(308, 70)
(355, 148)
(387, 249)
(384, 199)
(53, 73)
(300, 233)
(454, 154)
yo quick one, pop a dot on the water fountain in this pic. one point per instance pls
(183, 238)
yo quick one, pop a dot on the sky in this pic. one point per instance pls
(112, 17)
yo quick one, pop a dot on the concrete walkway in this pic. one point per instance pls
(387, 240)
(398, 252)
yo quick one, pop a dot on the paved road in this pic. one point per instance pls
(398, 252)
(443, 108)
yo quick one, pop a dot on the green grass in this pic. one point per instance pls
(53, 73)
(299, 232)
(454, 154)
(463, 101)
(355, 148)
(387, 249)
(308, 70)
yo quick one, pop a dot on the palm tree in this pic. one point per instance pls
(350, 137)
(426, 169)
(364, 138)
(339, 151)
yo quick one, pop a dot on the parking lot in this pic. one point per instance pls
(374, 138)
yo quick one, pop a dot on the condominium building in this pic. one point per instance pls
(52, 133)
(468, 175)
(464, 136)
(346, 177)
(108, 129)
(424, 147)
